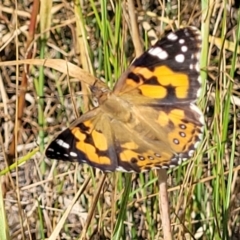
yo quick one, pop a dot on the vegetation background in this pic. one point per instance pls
(43, 199)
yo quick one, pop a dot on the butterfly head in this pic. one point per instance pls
(100, 93)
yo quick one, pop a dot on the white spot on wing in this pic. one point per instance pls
(50, 150)
(197, 68)
(201, 119)
(172, 36)
(175, 141)
(63, 144)
(180, 58)
(184, 48)
(199, 79)
(182, 134)
(158, 52)
(180, 160)
(197, 110)
(182, 126)
(73, 154)
(121, 169)
(181, 41)
(191, 152)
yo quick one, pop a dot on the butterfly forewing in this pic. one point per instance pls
(150, 120)
(88, 140)
(168, 71)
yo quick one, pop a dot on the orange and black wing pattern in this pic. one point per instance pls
(168, 72)
(150, 120)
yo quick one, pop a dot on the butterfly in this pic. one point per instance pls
(150, 118)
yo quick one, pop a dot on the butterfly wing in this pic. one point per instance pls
(150, 120)
(165, 82)
(88, 140)
(157, 138)
(154, 138)
(168, 72)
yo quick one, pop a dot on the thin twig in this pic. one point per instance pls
(163, 204)
(93, 207)
(135, 28)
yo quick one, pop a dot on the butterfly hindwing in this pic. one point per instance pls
(163, 137)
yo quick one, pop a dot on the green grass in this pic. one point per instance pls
(203, 192)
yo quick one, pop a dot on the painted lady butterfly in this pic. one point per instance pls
(149, 120)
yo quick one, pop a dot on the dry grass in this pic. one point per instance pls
(204, 193)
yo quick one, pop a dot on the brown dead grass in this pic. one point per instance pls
(27, 189)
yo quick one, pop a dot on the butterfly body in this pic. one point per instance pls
(149, 120)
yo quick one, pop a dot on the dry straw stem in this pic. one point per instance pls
(62, 66)
(164, 205)
(21, 99)
(203, 193)
(92, 208)
(58, 228)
